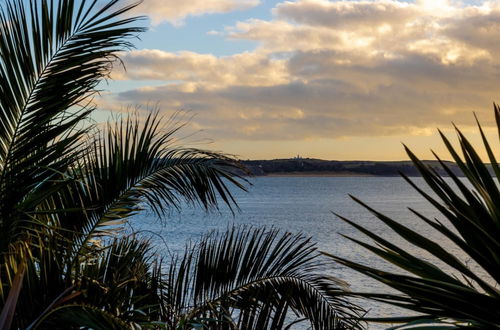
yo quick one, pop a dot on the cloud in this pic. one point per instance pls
(327, 69)
(346, 13)
(372, 28)
(318, 108)
(175, 11)
(209, 71)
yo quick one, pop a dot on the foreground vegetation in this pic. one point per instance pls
(67, 188)
(454, 290)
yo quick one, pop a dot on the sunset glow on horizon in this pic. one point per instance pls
(324, 79)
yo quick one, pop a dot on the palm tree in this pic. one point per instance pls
(66, 187)
(62, 185)
(251, 278)
(467, 294)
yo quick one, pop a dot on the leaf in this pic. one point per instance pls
(9, 307)
(442, 298)
(255, 277)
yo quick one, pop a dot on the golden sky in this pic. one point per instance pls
(323, 79)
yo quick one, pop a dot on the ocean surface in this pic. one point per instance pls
(306, 205)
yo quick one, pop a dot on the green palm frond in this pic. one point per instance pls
(52, 56)
(252, 279)
(470, 208)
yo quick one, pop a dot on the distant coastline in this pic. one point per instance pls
(334, 168)
(316, 173)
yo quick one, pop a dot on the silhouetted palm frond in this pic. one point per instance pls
(125, 279)
(133, 165)
(471, 210)
(254, 279)
(52, 56)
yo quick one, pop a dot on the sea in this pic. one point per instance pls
(307, 205)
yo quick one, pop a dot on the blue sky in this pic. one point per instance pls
(193, 34)
(326, 79)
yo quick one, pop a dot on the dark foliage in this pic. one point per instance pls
(467, 294)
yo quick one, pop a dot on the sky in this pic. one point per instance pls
(345, 80)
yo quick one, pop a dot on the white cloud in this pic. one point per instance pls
(175, 11)
(205, 70)
(346, 13)
(371, 28)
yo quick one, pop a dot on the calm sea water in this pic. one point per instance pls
(305, 204)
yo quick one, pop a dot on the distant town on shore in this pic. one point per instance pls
(299, 166)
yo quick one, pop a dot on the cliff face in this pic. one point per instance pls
(319, 167)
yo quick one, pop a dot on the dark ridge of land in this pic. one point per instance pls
(319, 167)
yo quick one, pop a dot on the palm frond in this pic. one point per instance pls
(252, 279)
(143, 161)
(43, 280)
(80, 315)
(122, 279)
(135, 164)
(52, 56)
(470, 209)
(10, 303)
(125, 279)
